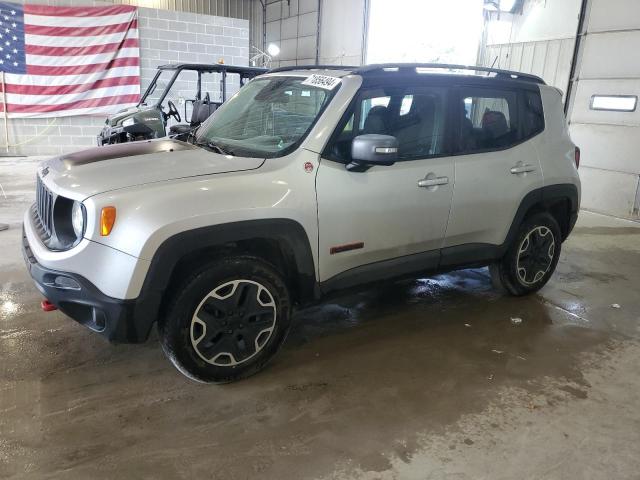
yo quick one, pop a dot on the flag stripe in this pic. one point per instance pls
(94, 102)
(48, 61)
(42, 80)
(33, 9)
(80, 69)
(77, 41)
(42, 100)
(67, 89)
(78, 31)
(88, 50)
(99, 110)
(89, 21)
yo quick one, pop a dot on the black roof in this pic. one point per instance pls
(413, 69)
(214, 67)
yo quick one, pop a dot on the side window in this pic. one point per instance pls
(414, 115)
(534, 114)
(489, 119)
(419, 124)
(368, 109)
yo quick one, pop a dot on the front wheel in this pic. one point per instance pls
(227, 321)
(531, 258)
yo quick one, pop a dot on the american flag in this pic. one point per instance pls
(62, 61)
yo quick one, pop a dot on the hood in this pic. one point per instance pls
(118, 117)
(101, 169)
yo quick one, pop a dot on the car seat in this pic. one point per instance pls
(202, 109)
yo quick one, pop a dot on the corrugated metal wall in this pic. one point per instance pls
(549, 59)
(220, 8)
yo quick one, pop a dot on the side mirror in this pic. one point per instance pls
(372, 149)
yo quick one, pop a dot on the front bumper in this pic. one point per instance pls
(109, 135)
(78, 298)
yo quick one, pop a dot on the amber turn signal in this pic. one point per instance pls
(107, 219)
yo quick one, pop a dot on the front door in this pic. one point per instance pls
(387, 220)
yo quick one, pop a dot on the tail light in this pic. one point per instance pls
(577, 157)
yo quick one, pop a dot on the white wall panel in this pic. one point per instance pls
(611, 55)
(607, 15)
(341, 32)
(541, 20)
(549, 59)
(608, 147)
(539, 58)
(608, 192)
(584, 89)
(528, 51)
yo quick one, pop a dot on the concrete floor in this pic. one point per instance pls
(429, 379)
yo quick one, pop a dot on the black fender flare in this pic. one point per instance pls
(285, 232)
(544, 197)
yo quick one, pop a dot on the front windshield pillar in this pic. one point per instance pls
(150, 89)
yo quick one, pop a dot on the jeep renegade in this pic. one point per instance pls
(306, 182)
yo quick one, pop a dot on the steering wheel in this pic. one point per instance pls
(173, 112)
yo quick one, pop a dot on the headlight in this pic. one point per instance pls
(128, 122)
(77, 219)
(68, 223)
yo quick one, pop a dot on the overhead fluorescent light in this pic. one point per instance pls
(614, 103)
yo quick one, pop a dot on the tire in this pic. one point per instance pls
(532, 257)
(227, 320)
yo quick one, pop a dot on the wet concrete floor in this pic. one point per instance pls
(426, 379)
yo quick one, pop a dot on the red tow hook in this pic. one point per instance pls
(47, 306)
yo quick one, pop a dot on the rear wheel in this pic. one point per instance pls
(531, 258)
(227, 321)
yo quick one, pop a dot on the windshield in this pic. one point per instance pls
(157, 88)
(266, 118)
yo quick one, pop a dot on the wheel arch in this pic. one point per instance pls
(281, 242)
(561, 201)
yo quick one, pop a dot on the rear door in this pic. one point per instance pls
(389, 220)
(496, 166)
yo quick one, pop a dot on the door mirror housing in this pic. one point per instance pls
(372, 149)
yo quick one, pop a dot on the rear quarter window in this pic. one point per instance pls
(497, 118)
(533, 114)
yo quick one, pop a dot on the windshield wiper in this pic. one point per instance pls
(209, 145)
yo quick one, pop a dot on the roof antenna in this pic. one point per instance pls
(492, 64)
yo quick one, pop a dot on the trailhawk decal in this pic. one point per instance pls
(322, 81)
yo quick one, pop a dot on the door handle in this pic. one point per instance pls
(433, 182)
(522, 169)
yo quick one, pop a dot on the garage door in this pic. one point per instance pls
(604, 115)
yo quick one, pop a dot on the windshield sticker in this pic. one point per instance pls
(322, 81)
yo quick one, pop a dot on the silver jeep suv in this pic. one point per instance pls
(308, 181)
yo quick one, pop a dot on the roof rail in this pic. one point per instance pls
(411, 68)
(347, 68)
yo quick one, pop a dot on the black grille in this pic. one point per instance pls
(44, 209)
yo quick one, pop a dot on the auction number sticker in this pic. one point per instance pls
(322, 81)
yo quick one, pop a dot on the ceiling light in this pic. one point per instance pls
(273, 50)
